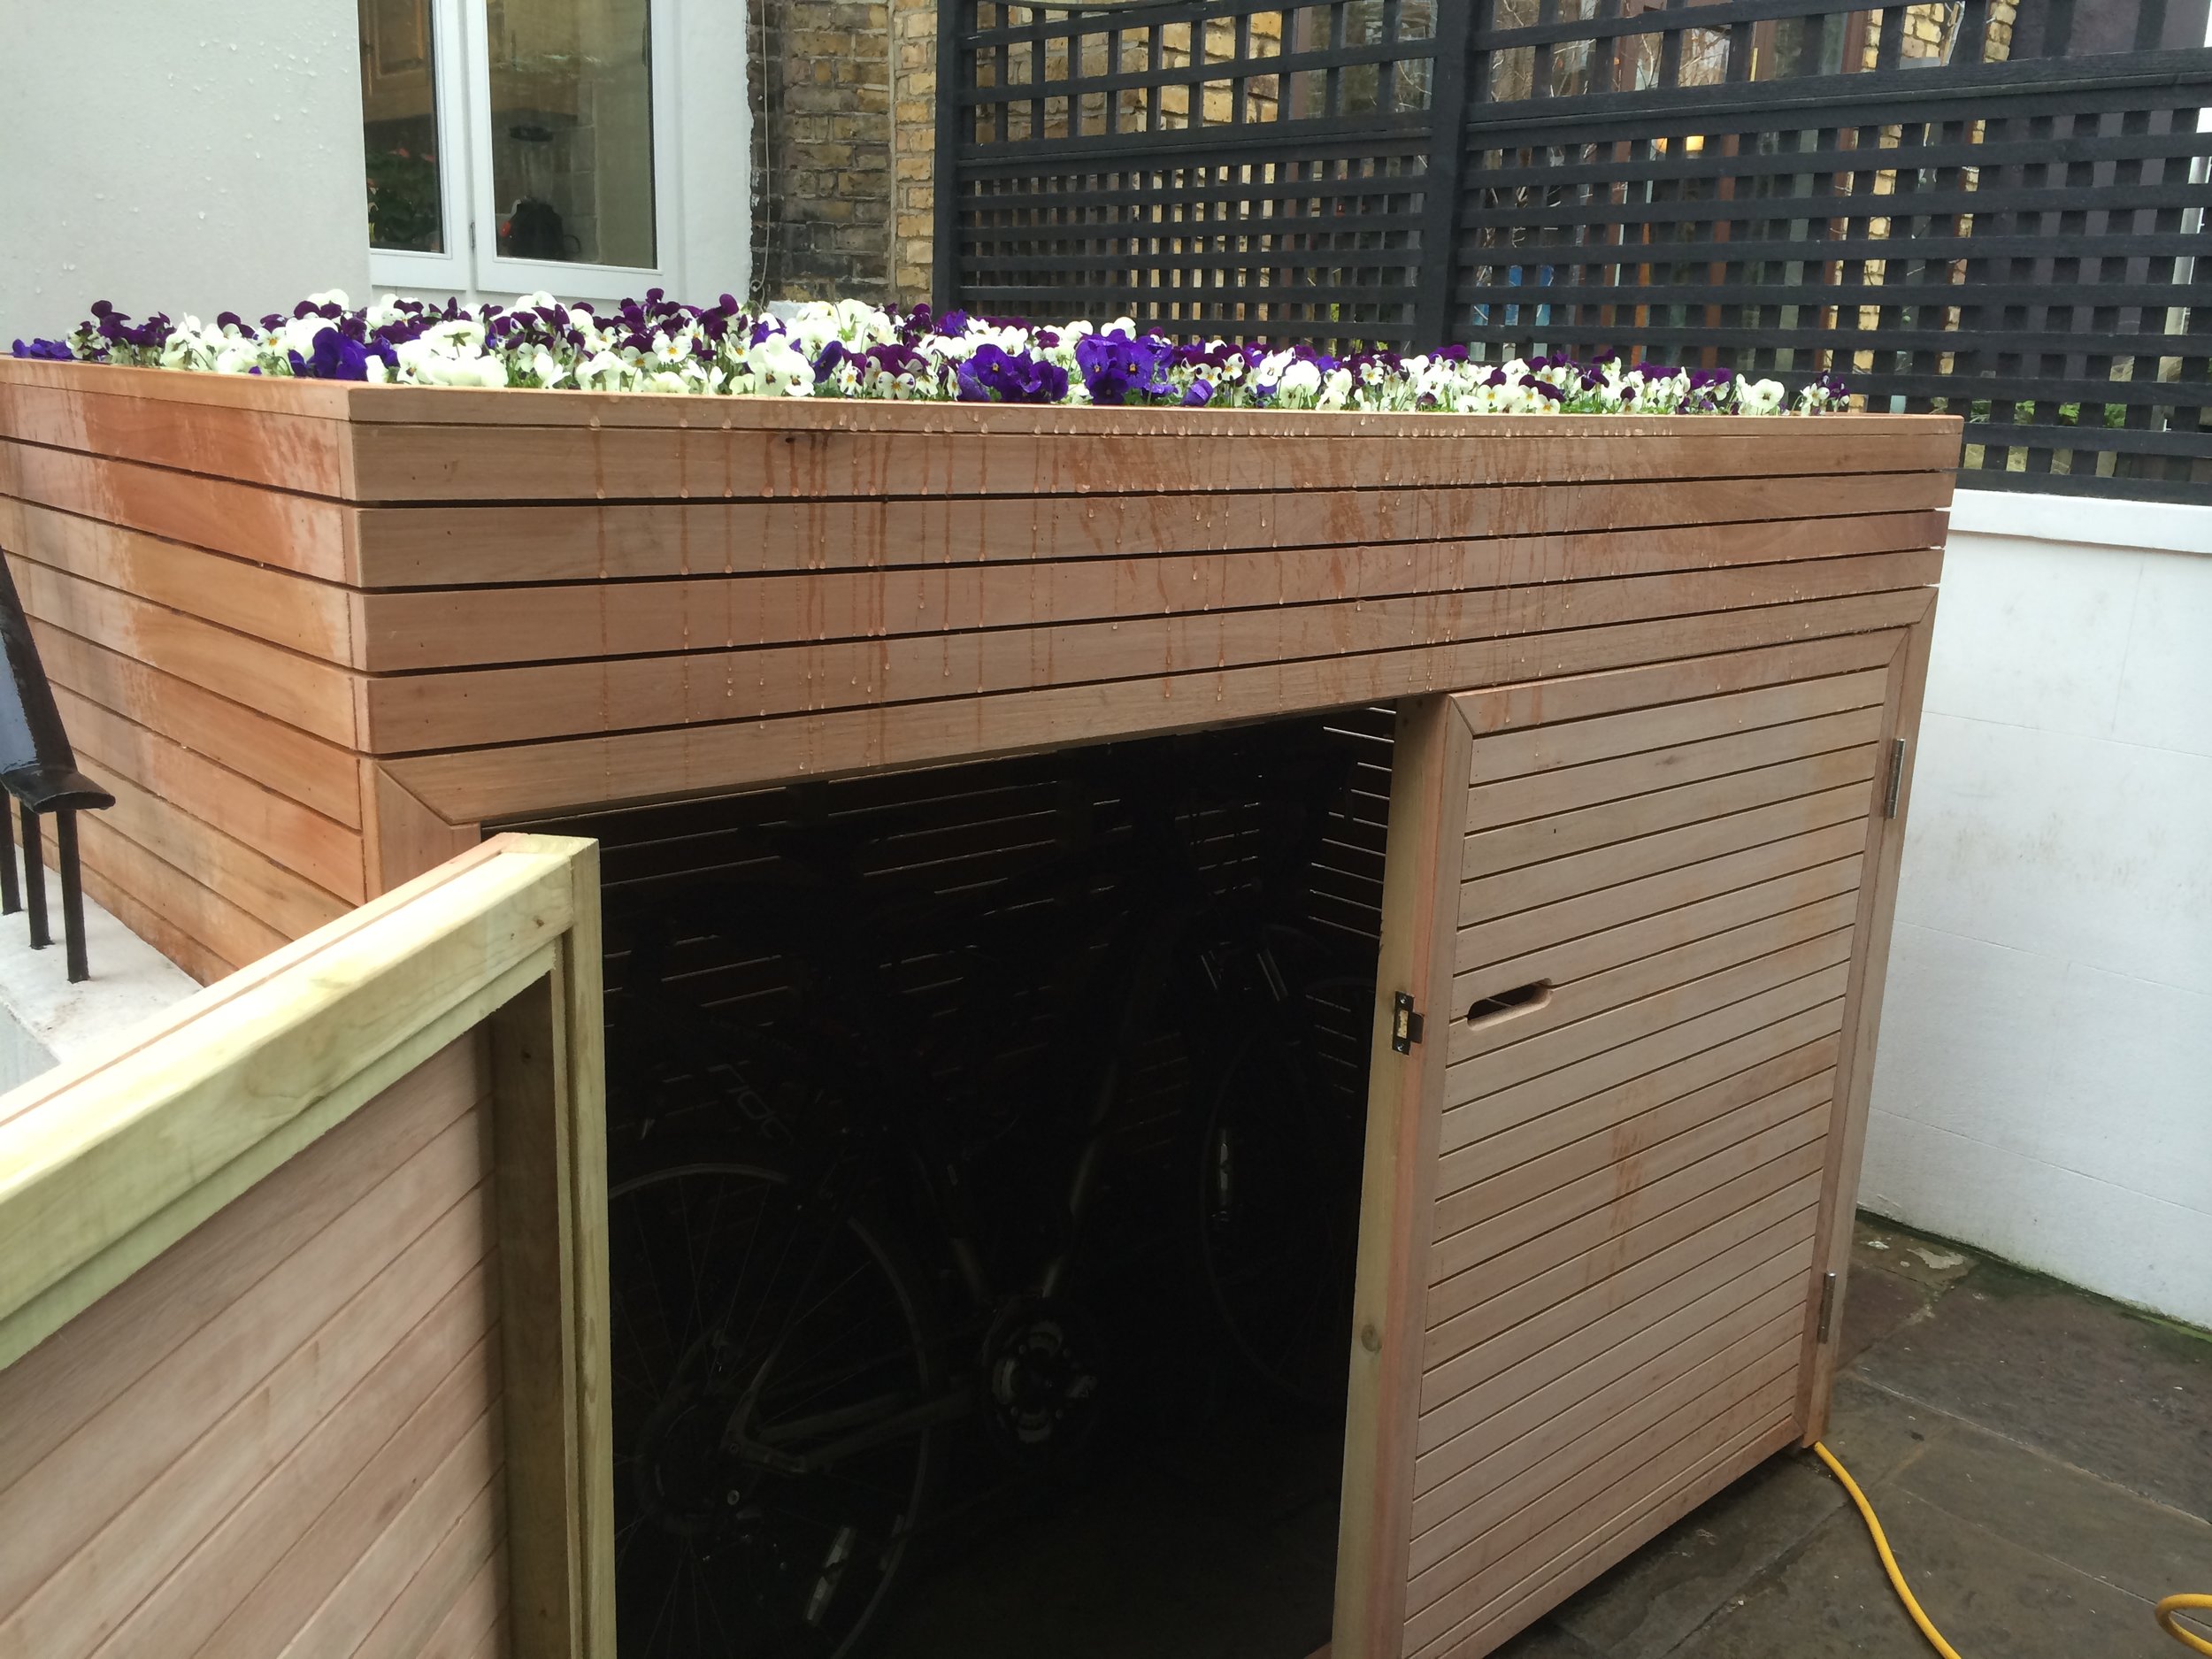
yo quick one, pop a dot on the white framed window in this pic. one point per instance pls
(517, 145)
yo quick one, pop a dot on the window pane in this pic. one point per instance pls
(399, 126)
(571, 104)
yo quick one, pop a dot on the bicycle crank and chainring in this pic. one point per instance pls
(1041, 1379)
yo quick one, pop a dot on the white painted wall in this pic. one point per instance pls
(177, 158)
(2044, 1086)
(198, 158)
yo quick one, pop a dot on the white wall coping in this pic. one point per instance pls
(2084, 520)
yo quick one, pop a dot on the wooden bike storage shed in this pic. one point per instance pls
(1655, 682)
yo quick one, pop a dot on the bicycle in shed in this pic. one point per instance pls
(816, 1278)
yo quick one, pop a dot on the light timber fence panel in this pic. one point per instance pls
(302, 1287)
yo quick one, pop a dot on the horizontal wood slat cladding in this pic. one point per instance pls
(314, 618)
(831, 458)
(514, 545)
(305, 533)
(320, 634)
(411, 712)
(1660, 905)
(297, 606)
(445, 627)
(280, 1432)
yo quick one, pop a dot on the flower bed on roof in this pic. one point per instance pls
(852, 349)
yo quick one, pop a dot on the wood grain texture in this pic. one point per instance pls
(1854, 1079)
(1428, 788)
(202, 845)
(274, 527)
(581, 772)
(1663, 873)
(1650, 667)
(245, 1421)
(855, 452)
(404, 838)
(312, 617)
(183, 900)
(320, 776)
(320, 851)
(1687, 524)
(268, 444)
(277, 1422)
(442, 608)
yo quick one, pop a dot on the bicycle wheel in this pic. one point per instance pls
(1281, 1158)
(729, 1280)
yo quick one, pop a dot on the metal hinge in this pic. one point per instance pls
(1405, 1025)
(1827, 1306)
(1896, 777)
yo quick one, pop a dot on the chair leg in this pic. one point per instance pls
(35, 881)
(71, 895)
(11, 889)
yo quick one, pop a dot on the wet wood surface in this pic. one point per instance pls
(284, 613)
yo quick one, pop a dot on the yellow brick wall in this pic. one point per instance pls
(1926, 26)
(913, 147)
(821, 82)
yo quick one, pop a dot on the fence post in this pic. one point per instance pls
(1440, 183)
(954, 17)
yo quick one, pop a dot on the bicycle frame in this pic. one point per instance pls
(1137, 966)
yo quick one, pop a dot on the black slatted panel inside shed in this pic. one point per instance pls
(967, 829)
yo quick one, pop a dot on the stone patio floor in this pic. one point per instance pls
(2041, 1460)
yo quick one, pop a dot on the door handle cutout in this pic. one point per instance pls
(1522, 999)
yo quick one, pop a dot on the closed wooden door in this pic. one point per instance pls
(1640, 919)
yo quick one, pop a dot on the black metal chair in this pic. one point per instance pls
(40, 771)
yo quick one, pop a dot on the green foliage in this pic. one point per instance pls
(402, 201)
(1981, 411)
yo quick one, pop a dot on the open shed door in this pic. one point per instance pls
(1641, 916)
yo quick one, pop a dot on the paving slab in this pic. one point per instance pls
(2105, 1531)
(2109, 1392)
(1876, 1305)
(1874, 1433)
(1545, 1641)
(1646, 1606)
(1991, 1598)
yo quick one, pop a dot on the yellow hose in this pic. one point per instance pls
(2166, 1608)
(2173, 1605)
(1881, 1547)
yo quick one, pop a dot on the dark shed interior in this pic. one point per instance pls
(985, 1159)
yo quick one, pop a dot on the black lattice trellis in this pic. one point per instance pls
(1776, 186)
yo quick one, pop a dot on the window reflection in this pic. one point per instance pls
(571, 120)
(399, 126)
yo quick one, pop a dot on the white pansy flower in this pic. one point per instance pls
(540, 341)
(1300, 380)
(779, 367)
(1761, 397)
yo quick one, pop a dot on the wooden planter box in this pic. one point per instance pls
(1652, 676)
